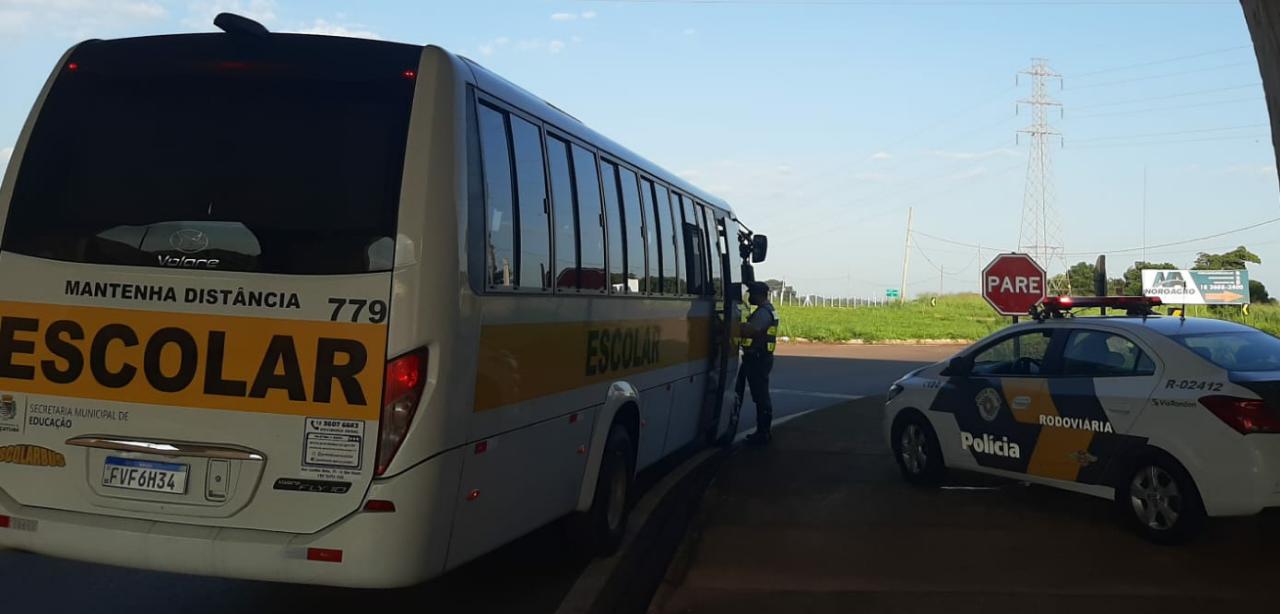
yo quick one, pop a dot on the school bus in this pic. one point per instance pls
(326, 310)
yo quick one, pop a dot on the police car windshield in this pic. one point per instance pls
(280, 155)
(1246, 350)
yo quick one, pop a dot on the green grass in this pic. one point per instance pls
(958, 316)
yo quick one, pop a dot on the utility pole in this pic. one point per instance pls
(1144, 212)
(906, 259)
(940, 274)
(1041, 232)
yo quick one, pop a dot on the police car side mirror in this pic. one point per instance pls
(759, 248)
(959, 365)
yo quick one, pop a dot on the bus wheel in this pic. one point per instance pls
(599, 531)
(735, 418)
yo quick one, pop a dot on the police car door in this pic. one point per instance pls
(1104, 382)
(1004, 383)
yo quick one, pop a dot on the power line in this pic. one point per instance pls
(1160, 76)
(1174, 133)
(1117, 251)
(1167, 97)
(962, 243)
(1162, 61)
(1173, 108)
(1175, 141)
(937, 3)
(1182, 242)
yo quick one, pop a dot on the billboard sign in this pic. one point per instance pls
(1189, 287)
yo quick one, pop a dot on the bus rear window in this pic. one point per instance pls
(277, 155)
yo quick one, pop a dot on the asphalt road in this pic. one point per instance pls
(821, 521)
(530, 575)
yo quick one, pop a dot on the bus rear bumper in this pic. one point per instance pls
(378, 549)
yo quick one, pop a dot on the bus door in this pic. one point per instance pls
(723, 355)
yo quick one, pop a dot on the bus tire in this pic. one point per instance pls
(731, 430)
(599, 530)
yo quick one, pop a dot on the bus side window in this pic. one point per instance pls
(500, 247)
(566, 223)
(591, 273)
(708, 255)
(634, 225)
(652, 281)
(677, 240)
(666, 239)
(535, 221)
(717, 252)
(613, 214)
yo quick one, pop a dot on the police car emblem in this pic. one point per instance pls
(189, 240)
(988, 402)
(8, 407)
(1083, 457)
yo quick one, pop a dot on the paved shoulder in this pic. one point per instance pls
(821, 521)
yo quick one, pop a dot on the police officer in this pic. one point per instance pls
(759, 337)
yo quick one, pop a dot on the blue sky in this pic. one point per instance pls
(823, 122)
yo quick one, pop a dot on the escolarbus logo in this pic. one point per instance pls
(31, 456)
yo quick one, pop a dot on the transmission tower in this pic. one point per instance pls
(1041, 234)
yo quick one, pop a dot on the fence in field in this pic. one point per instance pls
(791, 299)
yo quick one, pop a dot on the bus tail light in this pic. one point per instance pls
(324, 555)
(405, 379)
(4, 521)
(379, 505)
(1244, 415)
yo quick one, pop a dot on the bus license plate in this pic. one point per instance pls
(145, 475)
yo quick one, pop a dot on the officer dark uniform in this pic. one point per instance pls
(759, 338)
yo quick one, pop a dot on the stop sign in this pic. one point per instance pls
(1013, 284)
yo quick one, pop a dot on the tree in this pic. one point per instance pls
(1258, 292)
(1234, 260)
(779, 287)
(1133, 276)
(1080, 279)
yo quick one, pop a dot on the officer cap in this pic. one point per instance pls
(757, 287)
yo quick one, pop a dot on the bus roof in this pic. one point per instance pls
(496, 85)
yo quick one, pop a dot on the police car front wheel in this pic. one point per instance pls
(1161, 501)
(915, 446)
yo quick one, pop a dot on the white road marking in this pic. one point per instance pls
(823, 395)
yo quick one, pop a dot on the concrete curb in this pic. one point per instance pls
(625, 582)
(804, 341)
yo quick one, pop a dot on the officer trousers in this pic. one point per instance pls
(757, 368)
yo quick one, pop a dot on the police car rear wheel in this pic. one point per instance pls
(1162, 501)
(915, 446)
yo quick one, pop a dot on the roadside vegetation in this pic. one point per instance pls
(955, 317)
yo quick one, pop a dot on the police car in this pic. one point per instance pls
(1175, 419)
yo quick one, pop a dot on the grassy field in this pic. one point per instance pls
(956, 317)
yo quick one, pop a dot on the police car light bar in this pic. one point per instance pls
(1136, 305)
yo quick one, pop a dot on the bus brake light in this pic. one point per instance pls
(405, 379)
(324, 555)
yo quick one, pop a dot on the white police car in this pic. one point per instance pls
(1174, 419)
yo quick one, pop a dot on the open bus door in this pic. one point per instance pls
(722, 411)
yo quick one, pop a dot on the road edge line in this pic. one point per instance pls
(655, 530)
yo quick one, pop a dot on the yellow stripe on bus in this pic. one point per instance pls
(297, 367)
(520, 362)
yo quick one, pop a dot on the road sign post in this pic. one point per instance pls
(1013, 283)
